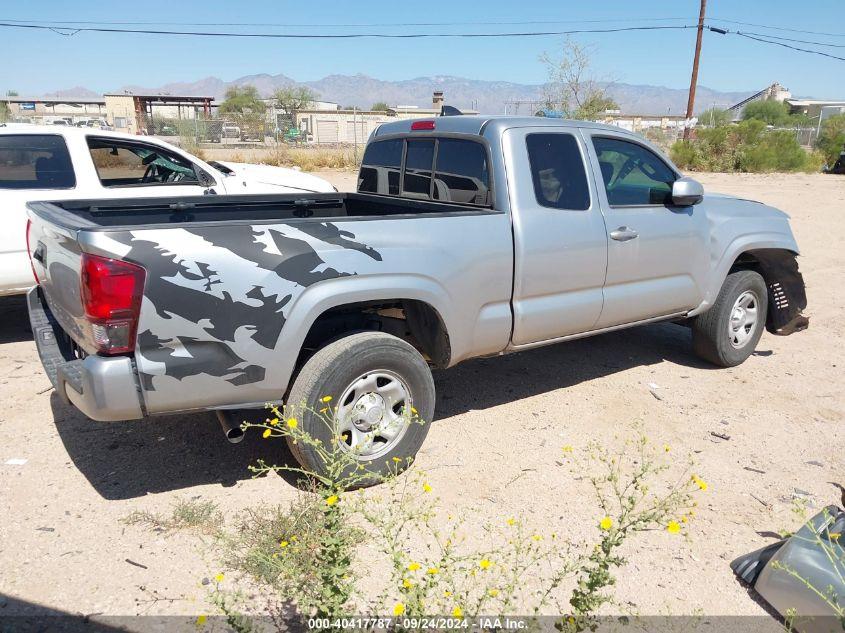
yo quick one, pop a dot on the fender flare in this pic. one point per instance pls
(739, 245)
(332, 293)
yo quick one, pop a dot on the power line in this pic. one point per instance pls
(789, 39)
(75, 30)
(777, 28)
(794, 48)
(358, 25)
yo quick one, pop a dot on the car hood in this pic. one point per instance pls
(279, 176)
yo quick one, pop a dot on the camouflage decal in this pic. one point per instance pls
(213, 290)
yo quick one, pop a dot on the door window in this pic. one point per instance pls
(633, 175)
(126, 164)
(35, 161)
(557, 169)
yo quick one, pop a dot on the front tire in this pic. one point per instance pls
(381, 403)
(729, 331)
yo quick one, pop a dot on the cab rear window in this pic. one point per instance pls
(445, 169)
(35, 161)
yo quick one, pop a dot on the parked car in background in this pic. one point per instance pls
(62, 161)
(468, 236)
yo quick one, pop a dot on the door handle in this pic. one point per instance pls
(623, 234)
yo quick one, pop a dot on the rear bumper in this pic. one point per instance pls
(102, 387)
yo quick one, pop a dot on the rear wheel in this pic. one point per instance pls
(729, 331)
(380, 400)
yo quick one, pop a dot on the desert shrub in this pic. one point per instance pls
(745, 147)
(334, 551)
(831, 140)
(768, 111)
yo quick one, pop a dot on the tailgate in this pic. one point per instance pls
(57, 261)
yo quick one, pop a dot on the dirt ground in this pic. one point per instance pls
(491, 451)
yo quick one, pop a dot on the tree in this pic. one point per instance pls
(242, 101)
(831, 141)
(572, 88)
(379, 106)
(714, 117)
(291, 99)
(769, 111)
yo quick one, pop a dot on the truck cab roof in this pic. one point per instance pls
(478, 124)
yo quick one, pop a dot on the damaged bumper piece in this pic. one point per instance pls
(803, 577)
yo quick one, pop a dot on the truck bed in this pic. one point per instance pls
(233, 284)
(116, 214)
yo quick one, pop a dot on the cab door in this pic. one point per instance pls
(560, 242)
(658, 253)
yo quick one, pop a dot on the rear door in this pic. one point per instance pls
(658, 253)
(560, 242)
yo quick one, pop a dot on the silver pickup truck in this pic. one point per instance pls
(468, 236)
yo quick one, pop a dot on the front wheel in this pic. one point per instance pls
(729, 331)
(368, 396)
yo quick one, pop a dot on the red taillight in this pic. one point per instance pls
(29, 251)
(111, 296)
(422, 125)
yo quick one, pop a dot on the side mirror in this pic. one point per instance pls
(686, 191)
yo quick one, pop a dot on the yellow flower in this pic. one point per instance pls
(414, 411)
(484, 563)
(606, 523)
(413, 566)
(446, 594)
(330, 501)
(326, 399)
(407, 583)
(283, 544)
(397, 460)
(536, 537)
(566, 449)
(398, 609)
(273, 422)
(201, 620)
(699, 482)
(219, 577)
(432, 571)
(511, 521)
(426, 487)
(267, 433)
(666, 448)
(834, 536)
(673, 527)
(294, 537)
(292, 423)
(457, 612)
(493, 593)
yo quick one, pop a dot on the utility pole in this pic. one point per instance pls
(694, 78)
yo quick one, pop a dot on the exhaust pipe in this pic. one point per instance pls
(231, 426)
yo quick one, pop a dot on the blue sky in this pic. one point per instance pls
(40, 61)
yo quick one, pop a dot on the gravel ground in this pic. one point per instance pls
(491, 451)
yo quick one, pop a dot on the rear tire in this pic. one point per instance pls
(729, 331)
(371, 378)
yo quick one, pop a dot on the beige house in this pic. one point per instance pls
(31, 110)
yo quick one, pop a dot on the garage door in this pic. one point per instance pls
(327, 131)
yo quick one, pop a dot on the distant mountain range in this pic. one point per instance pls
(488, 97)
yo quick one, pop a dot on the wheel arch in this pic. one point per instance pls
(413, 308)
